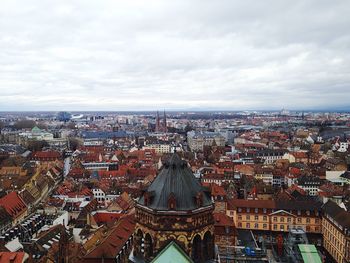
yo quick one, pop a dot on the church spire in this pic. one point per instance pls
(157, 122)
(165, 128)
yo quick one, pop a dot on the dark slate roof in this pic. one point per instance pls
(103, 134)
(311, 205)
(341, 216)
(176, 178)
(346, 175)
(271, 152)
(309, 180)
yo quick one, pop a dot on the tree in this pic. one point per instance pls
(41, 125)
(188, 127)
(24, 124)
(74, 143)
(121, 157)
(37, 145)
(14, 161)
(71, 125)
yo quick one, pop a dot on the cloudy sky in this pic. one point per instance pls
(183, 54)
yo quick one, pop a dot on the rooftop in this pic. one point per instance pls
(175, 180)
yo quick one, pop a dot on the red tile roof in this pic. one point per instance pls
(13, 257)
(295, 187)
(295, 171)
(251, 203)
(215, 189)
(221, 219)
(46, 155)
(114, 240)
(106, 217)
(299, 154)
(13, 204)
(78, 173)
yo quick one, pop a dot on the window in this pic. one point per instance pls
(248, 225)
(239, 209)
(299, 212)
(282, 227)
(239, 217)
(264, 226)
(289, 219)
(248, 210)
(264, 210)
(239, 224)
(248, 217)
(308, 212)
(274, 227)
(307, 220)
(256, 217)
(256, 210)
(275, 219)
(281, 219)
(256, 225)
(299, 220)
(265, 218)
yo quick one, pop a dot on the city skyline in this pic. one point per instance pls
(196, 55)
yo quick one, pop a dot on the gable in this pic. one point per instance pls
(282, 213)
(172, 253)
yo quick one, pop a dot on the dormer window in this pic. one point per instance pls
(199, 199)
(148, 197)
(172, 202)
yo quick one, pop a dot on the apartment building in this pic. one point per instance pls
(336, 232)
(159, 147)
(278, 216)
(310, 184)
(198, 140)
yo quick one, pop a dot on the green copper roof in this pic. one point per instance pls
(309, 254)
(36, 129)
(172, 253)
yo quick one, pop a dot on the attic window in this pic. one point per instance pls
(199, 199)
(172, 202)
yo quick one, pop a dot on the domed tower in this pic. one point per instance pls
(175, 207)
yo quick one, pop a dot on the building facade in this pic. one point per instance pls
(275, 216)
(336, 232)
(198, 140)
(175, 207)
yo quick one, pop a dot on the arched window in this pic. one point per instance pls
(197, 249)
(148, 246)
(172, 201)
(208, 246)
(138, 244)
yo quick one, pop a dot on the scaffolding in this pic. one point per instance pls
(296, 236)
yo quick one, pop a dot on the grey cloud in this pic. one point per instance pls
(113, 55)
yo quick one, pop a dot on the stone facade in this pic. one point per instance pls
(190, 225)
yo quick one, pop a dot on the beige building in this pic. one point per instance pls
(336, 232)
(279, 216)
(198, 140)
(159, 147)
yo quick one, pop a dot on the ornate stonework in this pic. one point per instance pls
(162, 216)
